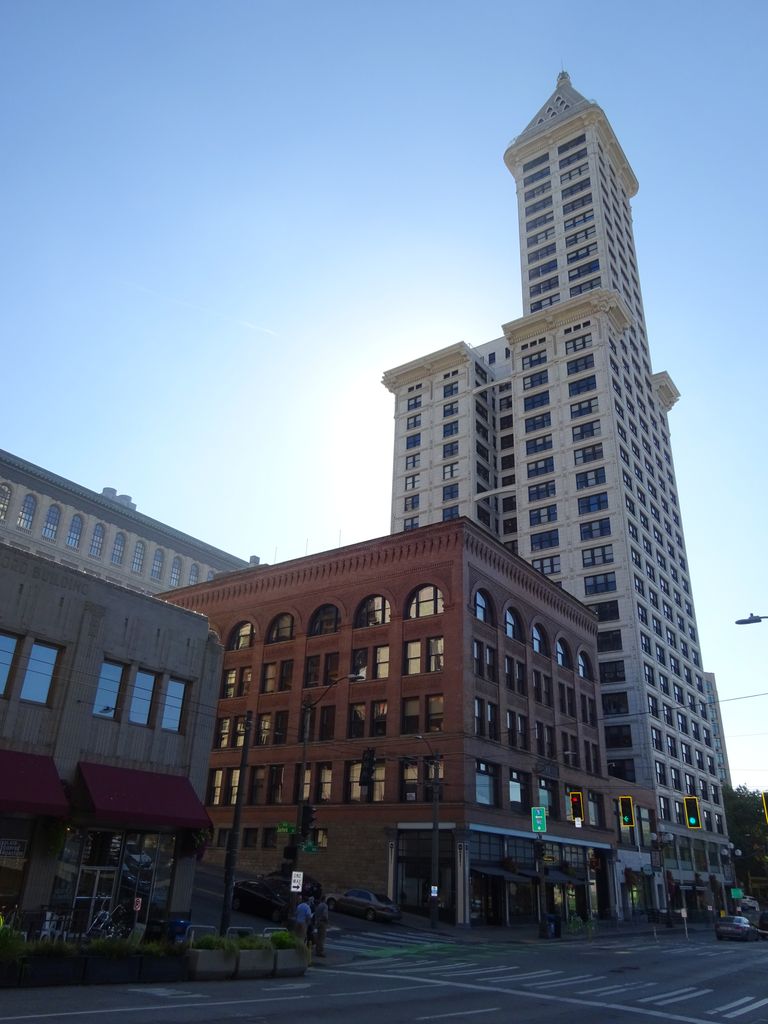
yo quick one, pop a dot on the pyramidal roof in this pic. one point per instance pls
(563, 102)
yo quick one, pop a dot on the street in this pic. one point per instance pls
(406, 977)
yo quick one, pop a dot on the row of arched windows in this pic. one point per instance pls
(74, 538)
(485, 612)
(374, 610)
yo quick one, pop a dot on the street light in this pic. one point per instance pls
(434, 762)
(751, 619)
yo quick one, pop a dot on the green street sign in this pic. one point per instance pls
(538, 819)
(309, 847)
(286, 826)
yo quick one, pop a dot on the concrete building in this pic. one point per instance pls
(554, 437)
(102, 534)
(106, 715)
(462, 655)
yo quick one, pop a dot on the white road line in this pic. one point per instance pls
(531, 975)
(689, 995)
(730, 1006)
(437, 968)
(666, 995)
(463, 1013)
(486, 970)
(568, 981)
(747, 1009)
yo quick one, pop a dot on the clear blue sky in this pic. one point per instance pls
(223, 220)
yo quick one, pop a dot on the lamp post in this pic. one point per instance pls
(751, 619)
(434, 900)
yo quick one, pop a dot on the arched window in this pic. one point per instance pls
(425, 601)
(563, 654)
(325, 620)
(51, 524)
(158, 563)
(75, 532)
(281, 628)
(5, 500)
(373, 611)
(137, 565)
(27, 512)
(194, 574)
(97, 541)
(118, 549)
(240, 637)
(513, 627)
(175, 579)
(584, 666)
(539, 640)
(484, 607)
(211, 574)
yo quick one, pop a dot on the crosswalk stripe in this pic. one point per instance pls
(730, 1006)
(665, 995)
(747, 1009)
(568, 981)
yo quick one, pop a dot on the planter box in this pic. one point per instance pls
(290, 963)
(163, 968)
(111, 970)
(9, 973)
(255, 963)
(52, 970)
(210, 964)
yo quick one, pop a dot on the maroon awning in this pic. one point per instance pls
(30, 784)
(128, 797)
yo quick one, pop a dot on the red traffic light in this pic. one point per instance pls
(577, 804)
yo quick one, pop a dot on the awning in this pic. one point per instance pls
(497, 872)
(30, 784)
(128, 797)
(554, 875)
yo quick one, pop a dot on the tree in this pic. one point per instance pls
(748, 831)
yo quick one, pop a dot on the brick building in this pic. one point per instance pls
(462, 655)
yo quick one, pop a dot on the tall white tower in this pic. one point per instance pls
(555, 438)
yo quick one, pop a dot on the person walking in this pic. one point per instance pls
(321, 925)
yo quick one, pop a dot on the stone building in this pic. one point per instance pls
(437, 647)
(102, 534)
(107, 702)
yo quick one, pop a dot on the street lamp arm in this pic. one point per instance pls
(752, 618)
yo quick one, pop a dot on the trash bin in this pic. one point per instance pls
(554, 926)
(177, 929)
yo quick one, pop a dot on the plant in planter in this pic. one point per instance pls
(51, 963)
(255, 957)
(111, 961)
(291, 954)
(163, 961)
(212, 958)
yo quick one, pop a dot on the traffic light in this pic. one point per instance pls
(577, 804)
(765, 805)
(692, 812)
(307, 820)
(367, 766)
(627, 811)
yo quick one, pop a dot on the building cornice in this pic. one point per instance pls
(604, 301)
(443, 359)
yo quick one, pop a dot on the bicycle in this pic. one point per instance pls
(115, 924)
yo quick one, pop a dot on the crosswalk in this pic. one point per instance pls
(694, 949)
(385, 944)
(592, 987)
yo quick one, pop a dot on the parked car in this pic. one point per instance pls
(370, 905)
(762, 924)
(736, 927)
(749, 903)
(261, 896)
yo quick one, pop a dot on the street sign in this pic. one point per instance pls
(577, 822)
(297, 881)
(433, 890)
(309, 847)
(538, 819)
(286, 826)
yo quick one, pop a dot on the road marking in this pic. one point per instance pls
(730, 1006)
(665, 995)
(107, 1011)
(747, 1009)
(567, 981)
(463, 1013)
(691, 995)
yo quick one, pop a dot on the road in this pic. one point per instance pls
(404, 977)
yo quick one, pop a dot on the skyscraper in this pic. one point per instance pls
(555, 438)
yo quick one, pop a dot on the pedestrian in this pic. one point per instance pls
(302, 919)
(321, 925)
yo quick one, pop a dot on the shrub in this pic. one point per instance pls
(112, 948)
(12, 945)
(215, 942)
(159, 949)
(44, 947)
(286, 940)
(254, 942)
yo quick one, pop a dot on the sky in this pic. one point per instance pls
(221, 221)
